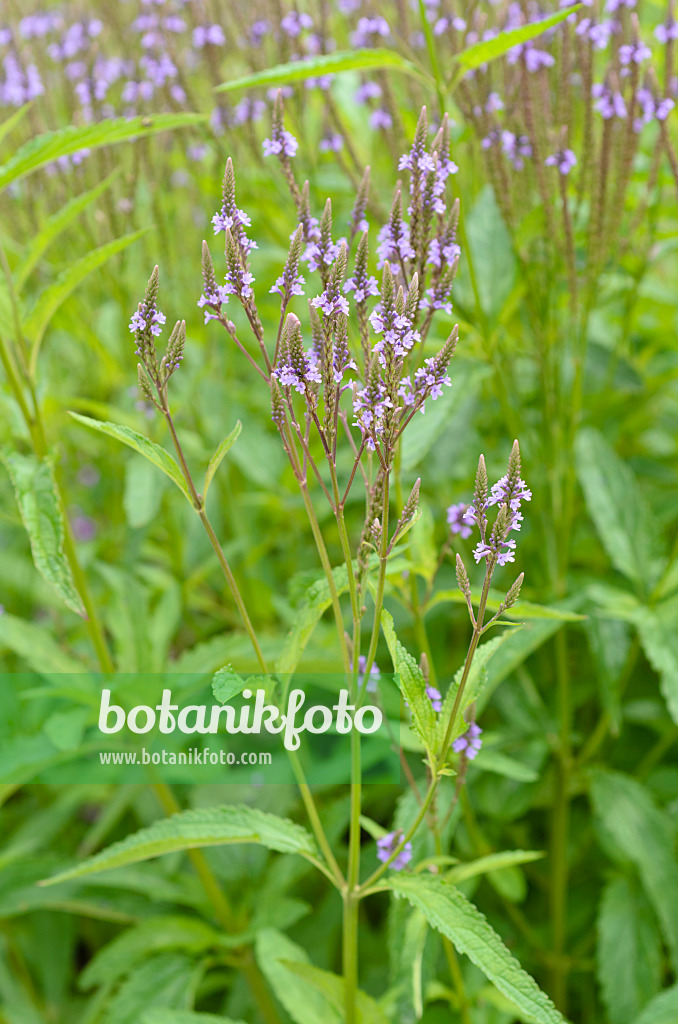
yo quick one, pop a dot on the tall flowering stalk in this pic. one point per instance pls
(346, 373)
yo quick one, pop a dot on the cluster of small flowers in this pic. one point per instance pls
(469, 743)
(508, 493)
(388, 844)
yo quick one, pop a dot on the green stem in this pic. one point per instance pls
(223, 911)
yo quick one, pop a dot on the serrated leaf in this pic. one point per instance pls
(275, 952)
(36, 645)
(154, 936)
(629, 951)
(53, 226)
(163, 981)
(659, 637)
(188, 830)
(227, 683)
(324, 64)
(315, 603)
(643, 835)
(412, 684)
(450, 913)
(38, 320)
(662, 1010)
(45, 148)
(149, 449)
(626, 526)
(38, 500)
(333, 988)
(492, 862)
(219, 454)
(489, 49)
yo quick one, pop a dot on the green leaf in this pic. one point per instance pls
(325, 64)
(315, 603)
(492, 862)
(219, 454)
(164, 981)
(662, 1010)
(227, 684)
(48, 147)
(38, 500)
(490, 49)
(36, 645)
(629, 951)
(520, 611)
(38, 320)
(412, 684)
(643, 835)
(55, 225)
(156, 935)
(275, 953)
(659, 637)
(10, 123)
(209, 826)
(183, 1017)
(450, 913)
(475, 684)
(333, 988)
(149, 449)
(142, 494)
(616, 504)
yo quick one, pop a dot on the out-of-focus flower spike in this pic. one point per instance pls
(357, 220)
(208, 274)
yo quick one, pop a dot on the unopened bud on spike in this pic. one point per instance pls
(514, 592)
(462, 578)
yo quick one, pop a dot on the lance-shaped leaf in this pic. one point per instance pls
(663, 1009)
(209, 826)
(450, 913)
(412, 684)
(616, 504)
(55, 225)
(325, 64)
(219, 454)
(643, 834)
(315, 603)
(149, 449)
(38, 320)
(38, 500)
(629, 951)
(490, 49)
(659, 637)
(43, 149)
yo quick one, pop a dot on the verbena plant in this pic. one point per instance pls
(341, 405)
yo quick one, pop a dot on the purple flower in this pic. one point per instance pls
(565, 160)
(516, 147)
(287, 286)
(368, 29)
(208, 35)
(151, 320)
(436, 698)
(375, 675)
(331, 143)
(608, 104)
(368, 91)
(388, 844)
(663, 33)
(295, 22)
(469, 743)
(380, 119)
(634, 53)
(613, 5)
(84, 527)
(215, 300)
(282, 142)
(455, 519)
